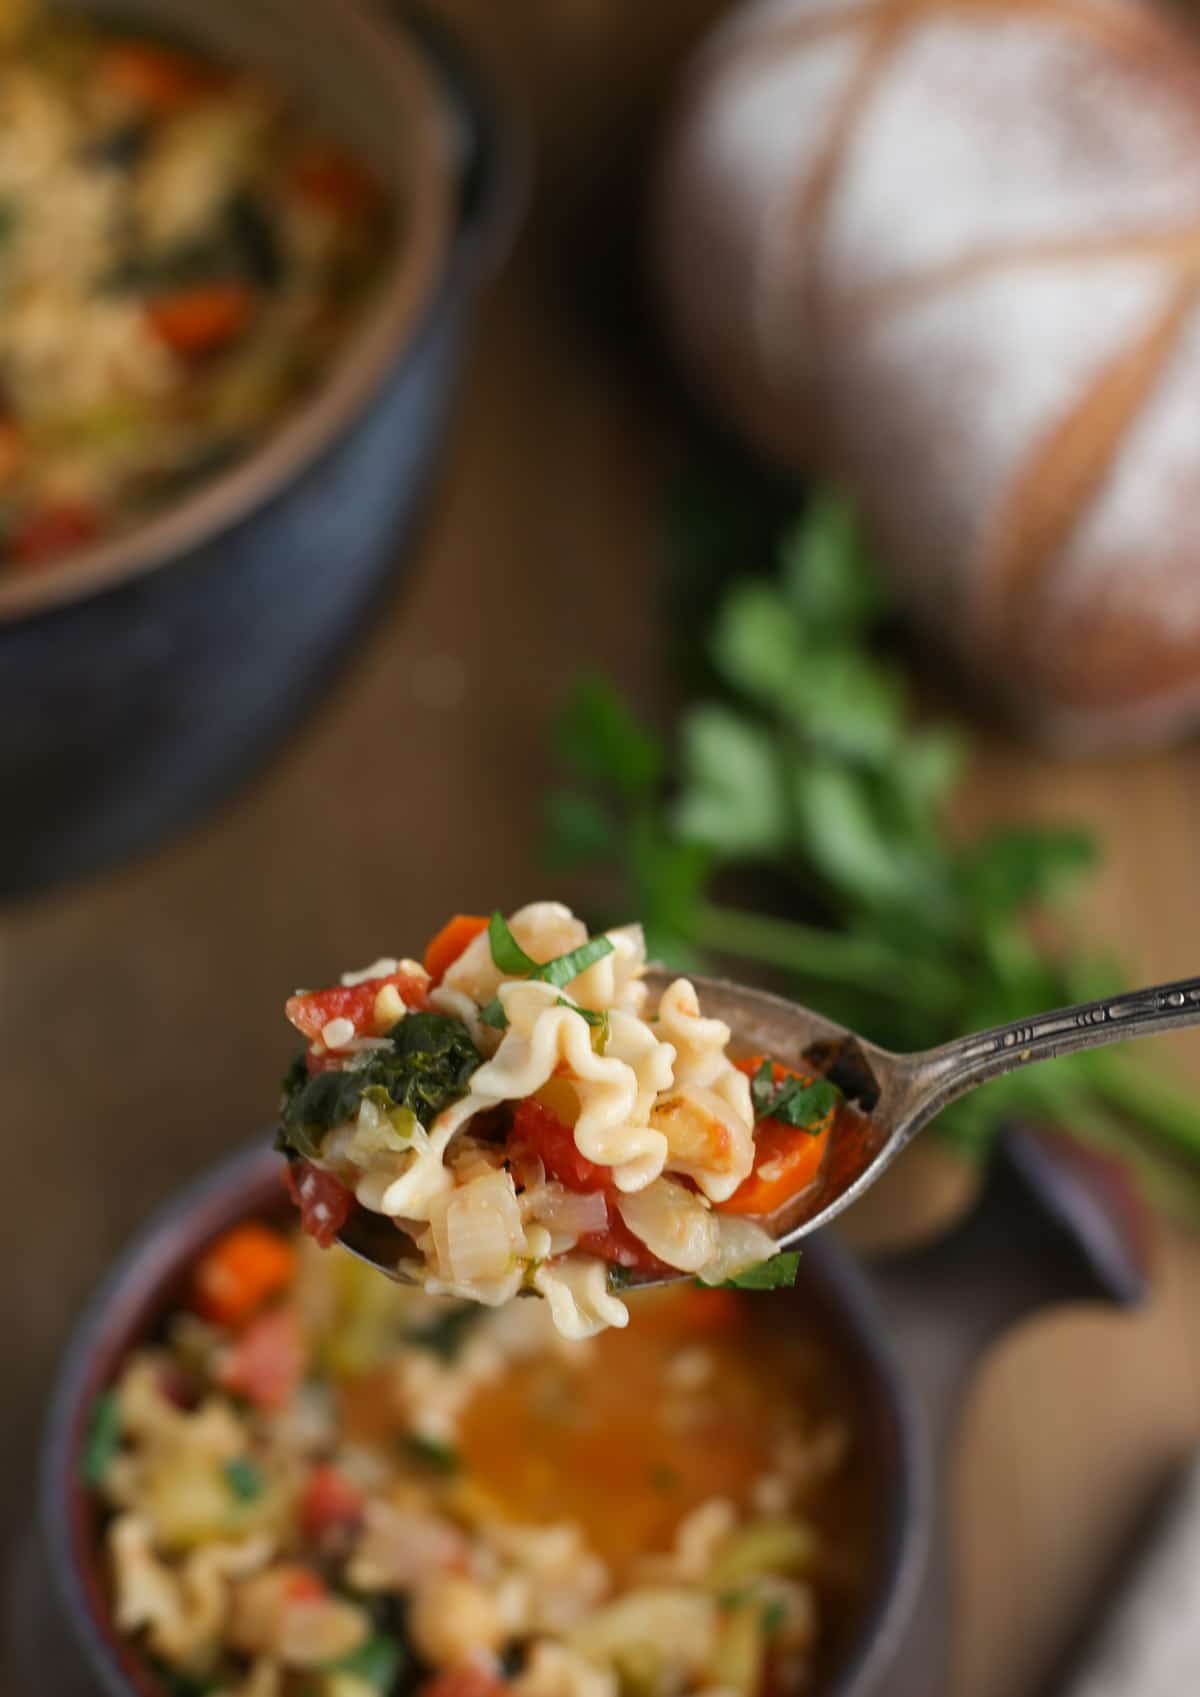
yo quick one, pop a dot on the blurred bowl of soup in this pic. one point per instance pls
(240, 248)
(429, 1497)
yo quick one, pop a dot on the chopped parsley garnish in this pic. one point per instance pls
(377, 1662)
(427, 1066)
(804, 1104)
(103, 1439)
(244, 1478)
(432, 1452)
(510, 958)
(774, 1274)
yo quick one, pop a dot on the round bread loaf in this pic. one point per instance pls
(947, 253)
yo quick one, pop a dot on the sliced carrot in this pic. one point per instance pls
(443, 950)
(204, 319)
(786, 1158)
(240, 1272)
(327, 177)
(155, 76)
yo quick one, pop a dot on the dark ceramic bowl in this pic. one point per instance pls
(1052, 1226)
(141, 677)
(150, 1279)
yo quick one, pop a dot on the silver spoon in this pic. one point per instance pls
(896, 1094)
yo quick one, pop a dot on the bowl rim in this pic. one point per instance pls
(386, 328)
(166, 1244)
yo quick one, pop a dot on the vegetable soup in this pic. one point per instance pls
(316, 1483)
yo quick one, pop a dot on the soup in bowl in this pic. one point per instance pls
(274, 1474)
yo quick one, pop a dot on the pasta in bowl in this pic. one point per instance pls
(531, 1120)
(310, 1482)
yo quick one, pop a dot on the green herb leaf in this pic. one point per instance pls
(428, 1066)
(599, 736)
(774, 1614)
(433, 1453)
(510, 958)
(735, 800)
(774, 1274)
(377, 1663)
(805, 1104)
(103, 1439)
(507, 954)
(619, 1278)
(244, 1478)
(445, 1335)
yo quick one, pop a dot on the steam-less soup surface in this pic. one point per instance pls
(319, 1484)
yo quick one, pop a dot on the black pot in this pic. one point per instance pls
(1047, 1229)
(141, 679)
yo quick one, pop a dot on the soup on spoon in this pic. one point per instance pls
(520, 1114)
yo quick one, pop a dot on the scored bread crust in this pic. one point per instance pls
(947, 252)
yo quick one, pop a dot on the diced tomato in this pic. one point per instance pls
(468, 1679)
(311, 1011)
(324, 1203)
(617, 1245)
(327, 177)
(786, 1158)
(202, 320)
(329, 1501)
(155, 76)
(266, 1363)
(537, 1129)
(242, 1270)
(53, 530)
(443, 950)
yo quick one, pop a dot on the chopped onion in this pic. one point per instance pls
(478, 1229)
(675, 1224)
(571, 1213)
(740, 1244)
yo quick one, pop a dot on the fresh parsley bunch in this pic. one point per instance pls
(798, 830)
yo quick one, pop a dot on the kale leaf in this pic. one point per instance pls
(427, 1066)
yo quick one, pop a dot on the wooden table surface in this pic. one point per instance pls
(139, 1027)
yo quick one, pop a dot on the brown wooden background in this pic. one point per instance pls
(139, 1031)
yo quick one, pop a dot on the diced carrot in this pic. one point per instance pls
(266, 1363)
(311, 1010)
(786, 1158)
(155, 76)
(444, 949)
(204, 319)
(302, 1585)
(328, 1501)
(14, 450)
(53, 530)
(327, 177)
(468, 1679)
(240, 1272)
